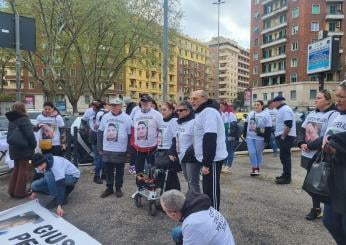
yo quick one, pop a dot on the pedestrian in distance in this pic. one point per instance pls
(22, 143)
(257, 130)
(113, 141)
(273, 113)
(311, 136)
(285, 135)
(201, 223)
(59, 179)
(209, 143)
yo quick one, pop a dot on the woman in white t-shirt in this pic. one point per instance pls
(257, 131)
(51, 130)
(311, 137)
(165, 137)
(182, 146)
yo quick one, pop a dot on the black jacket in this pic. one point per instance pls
(26, 128)
(194, 202)
(338, 174)
(129, 107)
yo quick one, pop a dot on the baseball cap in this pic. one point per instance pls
(279, 98)
(146, 98)
(115, 101)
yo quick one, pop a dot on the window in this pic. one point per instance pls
(265, 96)
(31, 85)
(315, 9)
(255, 56)
(293, 77)
(256, 42)
(295, 30)
(254, 96)
(280, 93)
(313, 93)
(293, 94)
(315, 26)
(255, 70)
(256, 29)
(294, 62)
(294, 45)
(295, 12)
(272, 95)
(87, 99)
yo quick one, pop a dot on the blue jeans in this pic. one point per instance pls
(335, 224)
(255, 148)
(47, 184)
(177, 235)
(230, 144)
(97, 160)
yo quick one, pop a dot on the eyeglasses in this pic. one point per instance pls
(181, 110)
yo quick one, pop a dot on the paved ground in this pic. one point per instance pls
(259, 211)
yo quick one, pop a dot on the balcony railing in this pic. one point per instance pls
(273, 73)
(269, 59)
(274, 28)
(274, 12)
(273, 43)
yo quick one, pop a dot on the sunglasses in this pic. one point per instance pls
(181, 110)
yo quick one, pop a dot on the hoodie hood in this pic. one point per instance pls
(195, 202)
(13, 115)
(209, 103)
(330, 108)
(167, 119)
(186, 119)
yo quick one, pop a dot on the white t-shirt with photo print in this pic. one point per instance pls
(116, 130)
(256, 120)
(184, 137)
(146, 128)
(166, 134)
(338, 125)
(50, 128)
(315, 125)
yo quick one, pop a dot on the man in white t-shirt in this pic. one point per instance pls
(59, 178)
(113, 141)
(209, 143)
(202, 224)
(146, 125)
(273, 113)
(285, 134)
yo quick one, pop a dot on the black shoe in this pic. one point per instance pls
(283, 181)
(97, 180)
(103, 176)
(279, 177)
(106, 193)
(52, 204)
(118, 192)
(314, 214)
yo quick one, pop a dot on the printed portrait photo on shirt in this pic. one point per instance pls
(47, 131)
(142, 130)
(160, 137)
(112, 132)
(312, 131)
(252, 125)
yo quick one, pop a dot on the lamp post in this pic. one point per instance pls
(165, 50)
(219, 2)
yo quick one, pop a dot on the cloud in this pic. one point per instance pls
(200, 20)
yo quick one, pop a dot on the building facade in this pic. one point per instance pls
(281, 31)
(231, 75)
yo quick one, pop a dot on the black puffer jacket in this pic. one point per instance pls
(25, 126)
(194, 202)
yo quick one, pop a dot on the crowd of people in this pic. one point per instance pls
(198, 137)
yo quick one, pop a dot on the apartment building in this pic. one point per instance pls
(231, 75)
(192, 66)
(281, 31)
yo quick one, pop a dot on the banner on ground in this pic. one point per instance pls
(30, 223)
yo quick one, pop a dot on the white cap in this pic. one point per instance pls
(115, 101)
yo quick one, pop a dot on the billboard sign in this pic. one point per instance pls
(320, 56)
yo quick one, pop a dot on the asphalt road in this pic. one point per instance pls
(259, 211)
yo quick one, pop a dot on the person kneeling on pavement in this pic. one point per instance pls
(202, 224)
(59, 178)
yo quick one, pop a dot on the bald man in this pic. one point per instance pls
(209, 143)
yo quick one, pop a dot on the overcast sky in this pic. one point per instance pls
(200, 20)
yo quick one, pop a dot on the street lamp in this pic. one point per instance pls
(219, 2)
(165, 50)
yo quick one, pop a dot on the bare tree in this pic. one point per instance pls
(5, 57)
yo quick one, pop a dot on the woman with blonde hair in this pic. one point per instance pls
(22, 143)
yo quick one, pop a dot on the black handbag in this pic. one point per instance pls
(316, 182)
(189, 156)
(17, 138)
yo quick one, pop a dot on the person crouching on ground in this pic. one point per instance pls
(202, 224)
(59, 179)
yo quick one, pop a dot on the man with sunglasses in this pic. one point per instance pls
(209, 142)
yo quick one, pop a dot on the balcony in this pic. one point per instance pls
(266, 1)
(273, 43)
(273, 73)
(274, 28)
(335, 16)
(335, 1)
(223, 89)
(281, 56)
(335, 33)
(276, 11)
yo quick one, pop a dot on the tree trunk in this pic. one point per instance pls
(74, 106)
